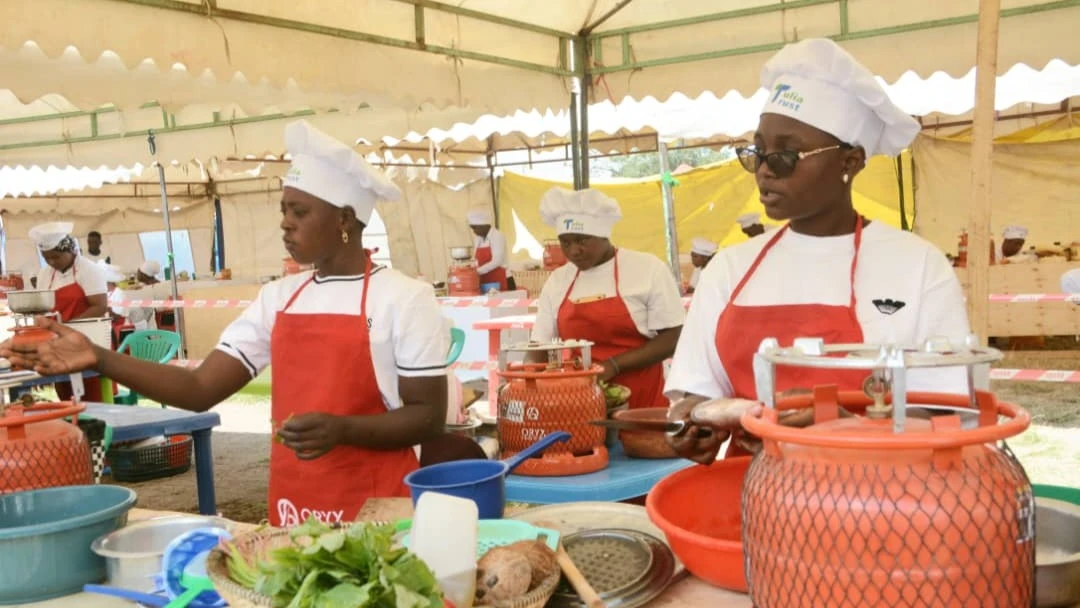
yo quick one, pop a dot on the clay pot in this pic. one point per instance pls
(645, 444)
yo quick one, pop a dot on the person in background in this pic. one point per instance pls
(147, 273)
(358, 351)
(829, 272)
(489, 248)
(701, 251)
(751, 225)
(78, 284)
(94, 252)
(626, 302)
(1011, 250)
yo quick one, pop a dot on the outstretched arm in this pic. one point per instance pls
(197, 390)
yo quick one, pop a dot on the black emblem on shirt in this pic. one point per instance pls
(887, 306)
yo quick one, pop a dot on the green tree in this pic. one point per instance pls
(647, 164)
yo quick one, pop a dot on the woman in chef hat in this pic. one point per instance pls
(489, 249)
(78, 284)
(1011, 250)
(701, 252)
(357, 350)
(625, 302)
(829, 273)
(751, 226)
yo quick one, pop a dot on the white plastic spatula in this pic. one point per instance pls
(444, 530)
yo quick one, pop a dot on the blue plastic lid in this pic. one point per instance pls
(191, 549)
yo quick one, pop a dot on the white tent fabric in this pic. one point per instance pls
(313, 45)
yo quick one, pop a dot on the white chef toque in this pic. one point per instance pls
(479, 217)
(588, 212)
(49, 235)
(818, 83)
(702, 246)
(332, 171)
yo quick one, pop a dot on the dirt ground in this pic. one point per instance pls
(1049, 450)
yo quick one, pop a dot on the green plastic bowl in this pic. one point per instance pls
(45, 538)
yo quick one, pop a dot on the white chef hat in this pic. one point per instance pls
(1014, 232)
(332, 171)
(150, 268)
(587, 211)
(748, 219)
(113, 274)
(1070, 281)
(702, 246)
(818, 83)
(479, 217)
(49, 235)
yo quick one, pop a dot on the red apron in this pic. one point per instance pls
(483, 256)
(741, 329)
(608, 324)
(71, 301)
(322, 363)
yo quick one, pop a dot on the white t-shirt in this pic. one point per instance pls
(499, 256)
(695, 276)
(146, 317)
(799, 269)
(645, 284)
(103, 255)
(89, 275)
(408, 337)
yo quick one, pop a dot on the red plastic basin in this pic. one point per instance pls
(699, 510)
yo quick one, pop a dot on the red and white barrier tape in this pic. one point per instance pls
(484, 302)
(1020, 375)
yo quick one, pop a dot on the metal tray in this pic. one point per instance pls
(653, 571)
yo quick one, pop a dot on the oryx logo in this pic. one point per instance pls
(887, 306)
(289, 515)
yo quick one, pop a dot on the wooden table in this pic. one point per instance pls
(687, 592)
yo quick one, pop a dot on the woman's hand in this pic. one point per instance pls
(696, 442)
(68, 353)
(312, 435)
(610, 370)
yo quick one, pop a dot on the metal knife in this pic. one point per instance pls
(660, 426)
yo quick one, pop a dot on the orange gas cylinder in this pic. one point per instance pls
(553, 254)
(29, 334)
(542, 398)
(887, 509)
(463, 280)
(40, 450)
(11, 282)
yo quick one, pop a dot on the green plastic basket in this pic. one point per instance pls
(496, 533)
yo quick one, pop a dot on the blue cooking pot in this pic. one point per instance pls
(481, 481)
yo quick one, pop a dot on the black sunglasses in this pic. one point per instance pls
(782, 163)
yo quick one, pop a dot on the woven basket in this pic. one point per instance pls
(261, 542)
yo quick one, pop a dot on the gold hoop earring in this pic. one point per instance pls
(344, 237)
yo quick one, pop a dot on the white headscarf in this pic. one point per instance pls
(53, 235)
(818, 83)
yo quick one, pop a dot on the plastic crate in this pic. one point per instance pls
(153, 461)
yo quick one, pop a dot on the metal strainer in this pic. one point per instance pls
(625, 567)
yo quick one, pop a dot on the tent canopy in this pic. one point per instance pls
(216, 70)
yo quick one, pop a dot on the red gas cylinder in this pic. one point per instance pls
(887, 509)
(542, 398)
(553, 254)
(463, 280)
(38, 449)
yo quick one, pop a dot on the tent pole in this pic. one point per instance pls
(179, 312)
(982, 148)
(668, 196)
(581, 63)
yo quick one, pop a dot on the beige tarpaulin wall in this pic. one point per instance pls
(707, 201)
(1036, 185)
(421, 227)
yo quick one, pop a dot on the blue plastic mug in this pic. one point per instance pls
(481, 481)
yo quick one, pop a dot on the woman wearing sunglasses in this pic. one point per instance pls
(829, 272)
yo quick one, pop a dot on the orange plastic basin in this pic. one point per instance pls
(699, 510)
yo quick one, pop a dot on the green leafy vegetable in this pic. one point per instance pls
(328, 567)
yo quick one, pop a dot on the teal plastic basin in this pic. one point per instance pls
(45, 538)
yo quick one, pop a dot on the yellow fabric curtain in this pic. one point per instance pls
(1063, 128)
(707, 201)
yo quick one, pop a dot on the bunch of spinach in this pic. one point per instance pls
(349, 567)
